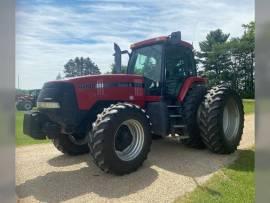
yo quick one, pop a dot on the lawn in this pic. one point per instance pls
(249, 106)
(22, 139)
(234, 183)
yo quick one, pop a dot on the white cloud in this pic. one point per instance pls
(48, 35)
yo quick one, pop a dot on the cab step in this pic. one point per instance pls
(174, 106)
(175, 116)
(179, 126)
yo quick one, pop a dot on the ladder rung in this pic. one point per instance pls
(174, 106)
(179, 126)
(175, 116)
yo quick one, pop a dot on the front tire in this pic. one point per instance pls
(64, 144)
(191, 106)
(120, 139)
(222, 120)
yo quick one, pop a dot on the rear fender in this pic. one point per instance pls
(187, 85)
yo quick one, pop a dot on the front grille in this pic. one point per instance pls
(53, 91)
(64, 94)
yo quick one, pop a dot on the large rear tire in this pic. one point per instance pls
(222, 120)
(64, 144)
(191, 105)
(120, 139)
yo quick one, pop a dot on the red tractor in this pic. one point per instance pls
(25, 102)
(115, 116)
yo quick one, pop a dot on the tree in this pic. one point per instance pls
(80, 66)
(59, 77)
(230, 61)
(213, 56)
(213, 38)
(248, 47)
(207, 48)
(123, 69)
(242, 51)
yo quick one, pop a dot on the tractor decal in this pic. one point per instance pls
(100, 87)
(111, 84)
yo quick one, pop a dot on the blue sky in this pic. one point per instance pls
(49, 33)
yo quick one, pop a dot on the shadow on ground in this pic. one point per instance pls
(166, 154)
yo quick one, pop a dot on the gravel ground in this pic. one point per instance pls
(45, 175)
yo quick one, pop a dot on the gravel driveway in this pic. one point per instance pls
(45, 175)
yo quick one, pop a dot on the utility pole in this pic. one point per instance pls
(18, 81)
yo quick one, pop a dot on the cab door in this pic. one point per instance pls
(179, 65)
(147, 61)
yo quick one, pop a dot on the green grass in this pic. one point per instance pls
(249, 106)
(234, 183)
(22, 139)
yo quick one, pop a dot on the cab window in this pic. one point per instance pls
(146, 61)
(179, 65)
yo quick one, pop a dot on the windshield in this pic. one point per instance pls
(146, 61)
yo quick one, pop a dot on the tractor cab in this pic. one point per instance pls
(165, 63)
(169, 70)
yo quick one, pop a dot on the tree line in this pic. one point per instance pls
(79, 67)
(221, 59)
(231, 61)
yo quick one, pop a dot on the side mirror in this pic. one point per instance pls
(118, 58)
(125, 52)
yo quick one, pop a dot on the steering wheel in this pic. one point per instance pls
(148, 82)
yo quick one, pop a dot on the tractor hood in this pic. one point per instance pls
(67, 101)
(104, 81)
(85, 91)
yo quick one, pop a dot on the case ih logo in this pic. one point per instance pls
(100, 87)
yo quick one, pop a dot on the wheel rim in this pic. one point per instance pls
(27, 106)
(231, 119)
(129, 140)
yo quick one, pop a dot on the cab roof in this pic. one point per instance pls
(158, 40)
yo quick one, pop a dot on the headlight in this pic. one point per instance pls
(48, 105)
